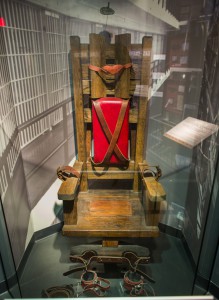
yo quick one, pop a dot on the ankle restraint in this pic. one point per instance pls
(90, 282)
(63, 291)
(134, 283)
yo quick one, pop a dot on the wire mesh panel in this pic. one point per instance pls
(34, 130)
(13, 155)
(3, 182)
(7, 117)
(23, 34)
(34, 83)
(56, 116)
(69, 108)
(7, 120)
(57, 64)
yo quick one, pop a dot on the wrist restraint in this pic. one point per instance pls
(152, 171)
(65, 172)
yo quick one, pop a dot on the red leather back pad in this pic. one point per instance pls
(110, 108)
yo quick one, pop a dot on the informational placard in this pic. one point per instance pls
(159, 56)
(191, 131)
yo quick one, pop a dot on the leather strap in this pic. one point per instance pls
(115, 69)
(131, 256)
(112, 138)
(65, 172)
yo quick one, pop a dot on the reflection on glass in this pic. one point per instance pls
(38, 132)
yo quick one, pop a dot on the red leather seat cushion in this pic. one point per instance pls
(110, 107)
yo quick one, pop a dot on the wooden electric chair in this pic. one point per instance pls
(110, 214)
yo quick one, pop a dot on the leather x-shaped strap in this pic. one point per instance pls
(112, 138)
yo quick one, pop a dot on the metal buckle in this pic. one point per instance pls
(148, 172)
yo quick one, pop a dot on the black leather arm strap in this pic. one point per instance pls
(65, 172)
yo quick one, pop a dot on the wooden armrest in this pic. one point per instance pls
(68, 188)
(155, 190)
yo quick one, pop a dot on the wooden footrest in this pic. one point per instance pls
(110, 251)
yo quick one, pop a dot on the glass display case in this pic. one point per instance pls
(109, 148)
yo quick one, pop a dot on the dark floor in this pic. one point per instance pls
(49, 258)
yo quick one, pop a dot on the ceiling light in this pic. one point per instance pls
(107, 10)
